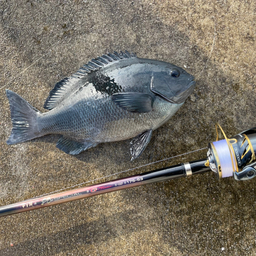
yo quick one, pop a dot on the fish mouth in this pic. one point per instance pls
(177, 99)
(180, 98)
(192, 83)
(183, 95)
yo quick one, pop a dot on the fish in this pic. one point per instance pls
(114, 97)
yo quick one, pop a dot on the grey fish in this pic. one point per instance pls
(114, 97)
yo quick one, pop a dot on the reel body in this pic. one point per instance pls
(234, 156)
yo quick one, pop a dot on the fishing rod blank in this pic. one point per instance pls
(229, 157)
(176, 171)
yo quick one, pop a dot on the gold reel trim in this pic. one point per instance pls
(231, 150)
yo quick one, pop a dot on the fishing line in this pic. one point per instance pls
(24, 70)
(125, 171)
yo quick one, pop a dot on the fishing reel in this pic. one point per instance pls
(234, 156)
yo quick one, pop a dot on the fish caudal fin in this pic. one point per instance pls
(24, 119)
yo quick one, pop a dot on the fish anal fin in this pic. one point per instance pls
(73, 147)
(139, 143)
(133, 101)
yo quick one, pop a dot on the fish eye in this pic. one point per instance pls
(175, 73)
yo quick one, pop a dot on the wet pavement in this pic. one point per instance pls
(42, 42)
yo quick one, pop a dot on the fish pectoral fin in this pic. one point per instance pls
(139, 143)
(133, 101)
(73, 147)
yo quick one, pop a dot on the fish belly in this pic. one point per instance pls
(102, 120)
(132, 124)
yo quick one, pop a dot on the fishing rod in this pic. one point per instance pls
(226, 158)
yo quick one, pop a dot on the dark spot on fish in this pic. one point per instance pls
(104, 84)
(80, 89)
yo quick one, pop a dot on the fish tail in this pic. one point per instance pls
(24, 119)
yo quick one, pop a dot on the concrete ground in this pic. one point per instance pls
(42, 42)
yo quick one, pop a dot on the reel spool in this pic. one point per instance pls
(234, 156)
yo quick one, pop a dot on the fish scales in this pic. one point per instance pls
(102, 120)
(112, 98)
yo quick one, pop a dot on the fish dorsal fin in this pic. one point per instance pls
(70, 84)
(104, 60)
(60, 91)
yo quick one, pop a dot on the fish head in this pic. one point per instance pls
(172, 83)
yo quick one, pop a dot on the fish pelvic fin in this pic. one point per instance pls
(24, 119)
(139, 143)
